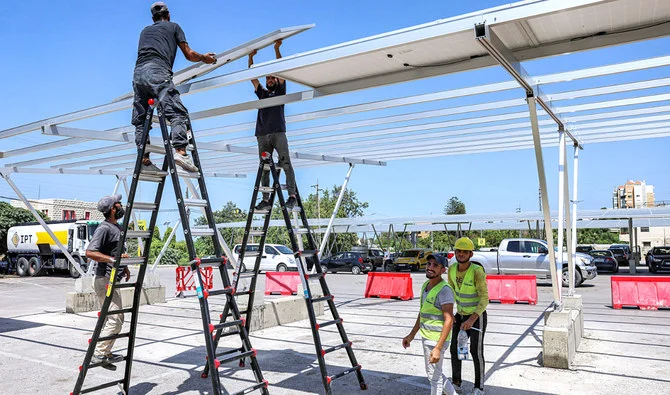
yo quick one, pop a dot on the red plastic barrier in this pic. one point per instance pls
(186, 282)
(284, 283)
(509, 289)
(389, 285)
(645, 292)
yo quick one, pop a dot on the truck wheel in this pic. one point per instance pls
(73, 271)
(22, 267)
(578, 278)
(34, 265)
(324, 268)
(281, 267)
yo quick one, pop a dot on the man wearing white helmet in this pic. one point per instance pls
(471, 293)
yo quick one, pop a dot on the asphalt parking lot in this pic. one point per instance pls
(623, 351)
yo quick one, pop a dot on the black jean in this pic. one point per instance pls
(277, 142)
(152, 81)
(476, 349)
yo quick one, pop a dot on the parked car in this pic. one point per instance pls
(348, 261)
(605, 260)
(622, 257)
(658, 258)
(586, 249)
(276, 257)
(375, 254)
(413, 259)
(531, 256)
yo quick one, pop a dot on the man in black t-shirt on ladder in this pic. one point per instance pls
(271, 132)
(153, 79)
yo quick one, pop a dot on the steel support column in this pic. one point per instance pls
(568, 229)
(337, 207)
(561, 208)
(575, 175)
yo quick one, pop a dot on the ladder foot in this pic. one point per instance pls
(364, 386)
(242, 364)
(204, 375)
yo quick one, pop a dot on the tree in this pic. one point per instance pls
(11, 216)
(597, 236)
(455, 206)
(229, 213)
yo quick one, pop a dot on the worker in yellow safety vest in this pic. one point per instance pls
(434, 322)
(468, 281)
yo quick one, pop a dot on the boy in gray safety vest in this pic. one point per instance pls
(434, 322)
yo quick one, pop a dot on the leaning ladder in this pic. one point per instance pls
(169, 168)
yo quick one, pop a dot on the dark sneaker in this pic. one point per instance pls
(291, 203)
(263, 205)
(185, 162)
(150, 168)
(114, 358)
(106, 364)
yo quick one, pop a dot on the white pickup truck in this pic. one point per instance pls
(530, 256)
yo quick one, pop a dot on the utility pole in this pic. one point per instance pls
(518, 210)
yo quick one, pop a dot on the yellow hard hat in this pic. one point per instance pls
(464, 244)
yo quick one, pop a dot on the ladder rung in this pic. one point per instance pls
(248, 274)
(122, 311)
(224, 291)
(145, 234)
(195, 202)
(335, 348)
(247, 292)
(306, 253)
(156, 149)
(256, 232)
(328, 323)
(209, 261)
(202, 232)
(322, 298)
(344, 373)
(261, 212)
(111, 337)
(144, 206)
(101, 386)
(132, 261)
(253, 388)
(228, 352)
(187, 174)
(228, 324)
(242, 355)
(226, 334)
(315, 275)
(266, 189)
(153, 177)
(124, 285)
(300, 231)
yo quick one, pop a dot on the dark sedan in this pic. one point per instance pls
(621, 255)
(347, 261)
(605, 260)
(658, 258)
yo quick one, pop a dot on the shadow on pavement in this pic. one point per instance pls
(11, 324)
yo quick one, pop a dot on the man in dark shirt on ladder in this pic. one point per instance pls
(153, 79)
(271, 132)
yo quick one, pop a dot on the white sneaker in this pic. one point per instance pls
(184, 161)
(477, 391)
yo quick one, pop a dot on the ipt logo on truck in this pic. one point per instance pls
(15, 239)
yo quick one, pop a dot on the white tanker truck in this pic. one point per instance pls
(30, 249)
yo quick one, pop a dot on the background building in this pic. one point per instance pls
(633, 194)
(64, 209)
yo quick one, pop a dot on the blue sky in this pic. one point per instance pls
(63, 56)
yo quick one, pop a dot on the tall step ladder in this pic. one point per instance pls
(159, 177)
(301, 255)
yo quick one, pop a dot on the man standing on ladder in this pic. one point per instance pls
(271, 132)
(103, 249)
(468, 281)
(153, 79)
(434, 322)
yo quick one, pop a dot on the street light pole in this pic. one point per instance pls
(318, 204)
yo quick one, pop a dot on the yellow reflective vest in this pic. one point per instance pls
(431, 318)
(466, 295)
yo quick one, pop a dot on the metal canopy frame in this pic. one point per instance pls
(508, 35)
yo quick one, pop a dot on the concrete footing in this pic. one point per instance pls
(281, 311)
(562, 334)
(81, 302)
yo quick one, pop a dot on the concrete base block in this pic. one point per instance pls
(151, 280)
(281, 311)
(84, 284)
(562, 335)
(81, 302)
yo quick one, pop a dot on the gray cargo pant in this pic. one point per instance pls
(278, 142)
(152, 81)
